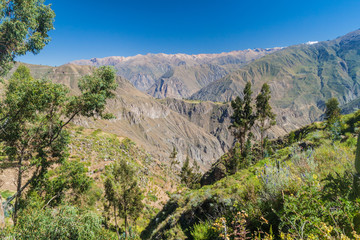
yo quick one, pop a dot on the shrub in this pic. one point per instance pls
(310, 213)
(65, 222)
(276, 177)
(203, 231)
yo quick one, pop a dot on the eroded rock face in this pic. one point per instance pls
(151, 124)
(176, 75)
(213, 117)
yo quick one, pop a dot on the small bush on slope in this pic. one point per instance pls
(65, 222)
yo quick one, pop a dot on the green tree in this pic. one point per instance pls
(33, 117)
(190, 176)
(173, 158)
(332, 112)
(291, 138)
(186, 172)
(264, 113)
(243, 118)
(68, 180)
(24, 27)
(247, 156)
(122, 193)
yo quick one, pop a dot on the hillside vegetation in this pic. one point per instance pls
(302, 190)
(79, 187)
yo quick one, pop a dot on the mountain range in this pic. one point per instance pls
(301, 78)
(177, 75)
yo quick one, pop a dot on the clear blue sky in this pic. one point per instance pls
(93, 28)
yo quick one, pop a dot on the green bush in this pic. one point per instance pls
(64, 222)
(203, 231)
(313, 212)
(276, 178)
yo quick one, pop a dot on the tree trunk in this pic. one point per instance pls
(116, 225)
(262, 131)
(18, 191)
(2, 215)
(126, 225)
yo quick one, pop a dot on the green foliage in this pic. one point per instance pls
(69, 179)
(24, 28)
(301, 191)
(203, 231)
(64, 222)
(190, 176)
(173, 159)
(276, 178)
(95, 89)
(243, 117)
(356, 184)
(264, 112)
(332, 111)
(5, 194)
(291, 138)
(122, 192)
(310, 213)
(335, 130)
(357, 158)
(34, 113)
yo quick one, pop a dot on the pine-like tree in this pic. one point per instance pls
(173, 158)
(190, 176)
(185, 173)
(264, 113)
(122, 192)
(243, 118)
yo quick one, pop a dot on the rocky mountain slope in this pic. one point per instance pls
(176, 75)
(151, 124)
(198, 129)
(301, 78)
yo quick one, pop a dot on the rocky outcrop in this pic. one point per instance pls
(214, 118)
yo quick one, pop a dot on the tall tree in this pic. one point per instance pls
(122, 192)
(243, 118)
(24, 27)
(186, 172)
(173, 158)
(332, 111)
(264, 113)
(33, 117)
(190, 175)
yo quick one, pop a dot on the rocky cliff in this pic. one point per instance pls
(176, 75)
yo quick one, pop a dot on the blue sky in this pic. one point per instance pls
(89, 28)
